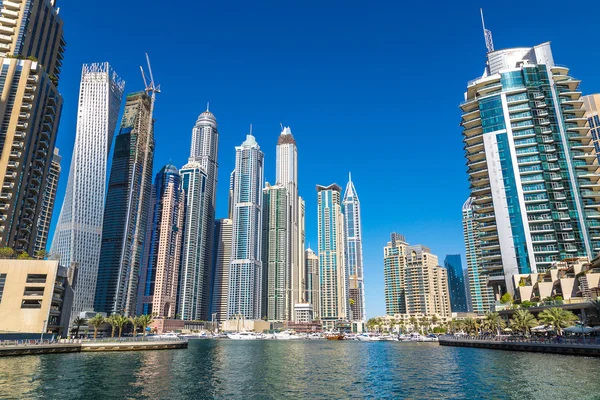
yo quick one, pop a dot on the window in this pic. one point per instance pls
(2, 282)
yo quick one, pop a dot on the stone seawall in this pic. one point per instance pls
(57, 348)
(589, 350)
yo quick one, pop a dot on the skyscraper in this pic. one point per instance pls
(221, 261)
(332, 265)
(162, 271)
(456, 283)
(31, 54)
(353, 252)
(287, 176)
(414, 282)
(45, 217)
(531, 165)
(78, 234)
(591, 103)
(482, 295)
(276, 253)
(127, 208)
(199, 184)
(312, 281)
(245, 273)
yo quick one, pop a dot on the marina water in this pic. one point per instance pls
(227, 369)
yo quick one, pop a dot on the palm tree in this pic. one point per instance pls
(523, 321)
(494, 321)
(112, 320)
(434, 319)
(414, 322)
(96, 322)
(121, 321)
(144, 321)
(78, 322)
(135, 321)
(558, 318)
(471, 325)
(425, 323)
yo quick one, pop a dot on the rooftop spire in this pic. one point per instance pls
(207, 106)
(487, 34)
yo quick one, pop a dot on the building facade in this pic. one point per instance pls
(200, 184)
(313, 291)
(161, 276)
(482, 295)
(31, 53)
(245, 272)
(276, 254)
(334, 296)
(221, 261)
(353, 252)
(78, 234)
(127, 209)
(456, 283)
(591, 103)
(414, 282)
(531, 165)
(45, 217)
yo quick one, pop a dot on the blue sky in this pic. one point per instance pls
(368, 87)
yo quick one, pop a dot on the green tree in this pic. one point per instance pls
(471, 326)
(97, 322)
(371, 323)
(523, 321)
(506, 298)
(414, 323)
(558, 318)
(23, 256)
(112, 320)
(145, 320)
(135, 321)
(121, 321)
(434, 319)
(6, 252)
(41, 254)
(425, 324)
(493, 321)
(78, 322)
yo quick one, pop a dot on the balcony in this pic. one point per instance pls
(11, 22)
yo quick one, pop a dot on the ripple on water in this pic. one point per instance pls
(300, 370)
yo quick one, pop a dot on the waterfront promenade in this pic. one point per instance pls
(36, 347)
(581, 346)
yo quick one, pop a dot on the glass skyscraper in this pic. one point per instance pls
(127, 209)
(456, 283)
(78, 233)
(353, 252)
(531, 165)
(246, 271)
(591, 103)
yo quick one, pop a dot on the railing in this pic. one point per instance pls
(38, 342)
(580, 340)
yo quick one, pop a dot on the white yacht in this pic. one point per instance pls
(242, 336)
(286, 335)
(365, 337)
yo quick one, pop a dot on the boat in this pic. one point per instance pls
(315, 336)
(242, 336)
(286, 335)
(335, 336)
(169, 335)
(365, 337)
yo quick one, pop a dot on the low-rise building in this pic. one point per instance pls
(35, 297)
(164, 325)
(304, 312)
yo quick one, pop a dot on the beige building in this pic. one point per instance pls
(31, 48)
(34, 297)
(575, 280)
(414, 282)
(591, 103)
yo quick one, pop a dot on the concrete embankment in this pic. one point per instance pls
(570, 348)
(54, 348)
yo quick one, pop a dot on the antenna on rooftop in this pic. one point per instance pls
(487, 34)
(281, 125)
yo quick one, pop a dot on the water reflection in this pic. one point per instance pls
(300, 370)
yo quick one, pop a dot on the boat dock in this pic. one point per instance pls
(33, 347)
(578, 347)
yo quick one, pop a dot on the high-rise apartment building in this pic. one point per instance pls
(199, 184)
(127, 208)
(31, 53)
(353, 252)
(334, 296)
(287, 177)
(414, 282)
(245, 273)
(221, 261)
(161, 275)
(78, 234)
(313, 291)
(45, 217)
(591, 103)
(276, 254)
(531, 164)
(482, 295)
(456, 283)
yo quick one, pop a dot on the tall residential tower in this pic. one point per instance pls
(78, 233)
(221, 261)
(531, 165)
